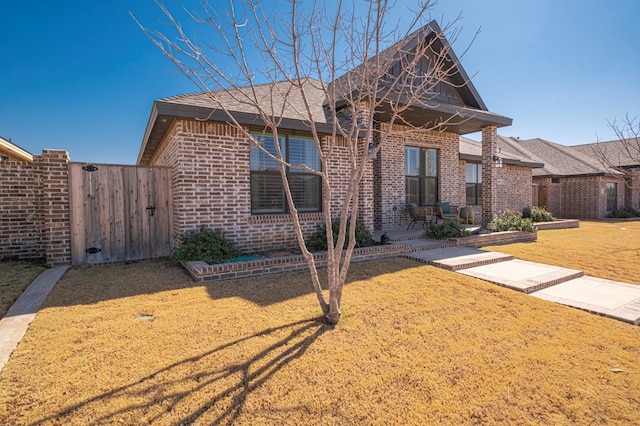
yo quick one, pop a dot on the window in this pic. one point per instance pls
(474, 183)
(267, 192)
(421, 175)
(612, 196)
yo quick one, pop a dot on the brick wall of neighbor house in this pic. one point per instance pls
(21, 224)
(211, 184)
(389, 177)
(581, 197)
(34, 208)
(632, 190)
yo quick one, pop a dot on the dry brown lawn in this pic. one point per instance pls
(605, 249)
(15, 277)
(143, 344)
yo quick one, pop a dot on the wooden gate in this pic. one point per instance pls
(119, 213)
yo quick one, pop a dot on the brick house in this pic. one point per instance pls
(572, 183)
(220, 182)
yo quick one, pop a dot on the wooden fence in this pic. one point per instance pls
(119, 213)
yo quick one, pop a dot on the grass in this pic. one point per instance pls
(143, 344)
(15, 277)
(605, 249)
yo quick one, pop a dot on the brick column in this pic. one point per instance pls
(489, 174)
(54, 172)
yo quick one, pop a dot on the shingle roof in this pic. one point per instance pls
(279, 99)
(510, 152)
(284, 101)
(560, 160)
(620, 153)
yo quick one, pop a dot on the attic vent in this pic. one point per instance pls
(555, 180)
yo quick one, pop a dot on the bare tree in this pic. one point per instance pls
(622, 155)
(268, 62)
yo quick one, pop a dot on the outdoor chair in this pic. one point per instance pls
(445, 211)
(419, 214)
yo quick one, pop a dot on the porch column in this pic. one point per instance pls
(489, 174)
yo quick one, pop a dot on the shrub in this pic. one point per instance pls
(447, 229)
(363, 235)
(205, 245)
(625, 212)
(539, 214)
(526, 212)
(513, 221)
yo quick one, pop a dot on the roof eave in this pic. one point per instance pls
(15, 151)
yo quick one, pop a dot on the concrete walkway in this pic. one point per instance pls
(15, 323)
(569, 287)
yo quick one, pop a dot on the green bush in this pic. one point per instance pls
(513, 221)
(447, 229)
(539, 214)
(205, 245)
(625, 212)
(319, 238)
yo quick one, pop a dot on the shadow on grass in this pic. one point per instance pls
(90, 285)
(197, 388)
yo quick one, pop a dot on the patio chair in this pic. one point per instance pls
(445, 211)
(419, 214)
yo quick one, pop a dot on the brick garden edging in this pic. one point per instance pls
(495, 238)
(558, 224)
(201, 271)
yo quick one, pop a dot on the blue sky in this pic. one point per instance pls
(81, 76)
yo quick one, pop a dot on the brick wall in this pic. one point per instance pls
(582, 197)
(211, 184)
(513, 188)
(21, 223)
(389, 173)
(34, 208)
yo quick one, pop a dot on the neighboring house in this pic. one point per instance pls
(623, 155)
(572, 183)
(220, 182)
(10, 151)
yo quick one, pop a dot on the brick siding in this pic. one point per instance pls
(21, 222)
(34, 208)
(389, 172)
(211, 184)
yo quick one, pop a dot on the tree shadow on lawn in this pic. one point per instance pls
(94, 284)
(198, 388)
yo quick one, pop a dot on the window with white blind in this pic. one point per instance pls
(267, 191)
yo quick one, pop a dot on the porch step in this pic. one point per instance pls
(454, 258)
(522, 275)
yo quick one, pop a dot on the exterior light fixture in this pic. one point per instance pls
(497, 161)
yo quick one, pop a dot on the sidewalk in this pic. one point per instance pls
(15, 323)
(569, 287)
